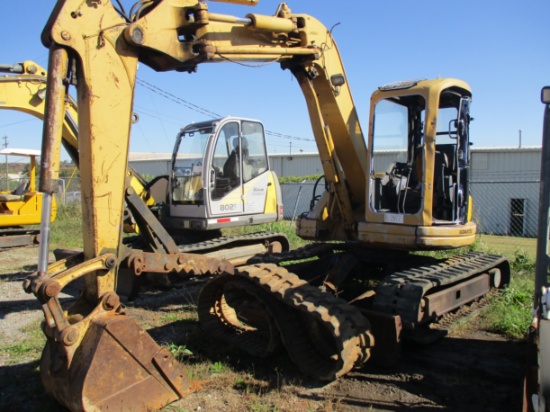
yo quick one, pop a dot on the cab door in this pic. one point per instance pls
(255, 167)
(225, 183)
(238, 169)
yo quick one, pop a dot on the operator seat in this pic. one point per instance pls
(22, 187)
(17, 194)
(444, 185)
(231, 168)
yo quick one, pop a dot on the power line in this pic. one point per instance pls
(206, 112)
(177, 99)
(21, 121)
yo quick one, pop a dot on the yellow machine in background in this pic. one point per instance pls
(334, 305)
(23, 88)
(22, 206)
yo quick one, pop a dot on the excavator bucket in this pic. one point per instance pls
(96, 357)
(116, 367)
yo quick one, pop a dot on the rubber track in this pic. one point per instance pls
(18, 231)
(324, 336)
(224, 241)
(305, 252)
(402, 292)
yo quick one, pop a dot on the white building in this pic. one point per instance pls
(504, 183)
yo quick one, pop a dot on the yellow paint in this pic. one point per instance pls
(271, 198)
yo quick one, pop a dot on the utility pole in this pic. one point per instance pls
(520, 138)
(7, 173)
(290, 151)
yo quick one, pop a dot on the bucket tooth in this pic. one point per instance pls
(116, 367)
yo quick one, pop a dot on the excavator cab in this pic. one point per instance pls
(221, 177)
(419, 161)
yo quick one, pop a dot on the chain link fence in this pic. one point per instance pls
(66, 190)
(297, 197)
(504, 205)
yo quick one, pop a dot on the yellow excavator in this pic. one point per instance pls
(22, 207)
(333, 305)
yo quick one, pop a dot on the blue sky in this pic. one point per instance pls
(502, 49)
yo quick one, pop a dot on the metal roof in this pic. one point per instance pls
(20, 152)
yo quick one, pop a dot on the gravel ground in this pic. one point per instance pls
(469, 370)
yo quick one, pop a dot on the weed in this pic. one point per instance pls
(240, 383)
(522, 261)
(258, 406)
(217, 367)
(171, 317)
(66, 230)
(180, 352)
(510, 311)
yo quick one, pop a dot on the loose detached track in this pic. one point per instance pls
(323, 335)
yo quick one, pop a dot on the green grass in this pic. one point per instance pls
(510, 312)
(285, 227)
(297, 179)
(66, 230)
(171, 317)
(509, 245)
(30, 348)
(218, 367)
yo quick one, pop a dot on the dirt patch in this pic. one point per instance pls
(469, 370)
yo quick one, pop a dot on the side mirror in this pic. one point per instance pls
(545, 95)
